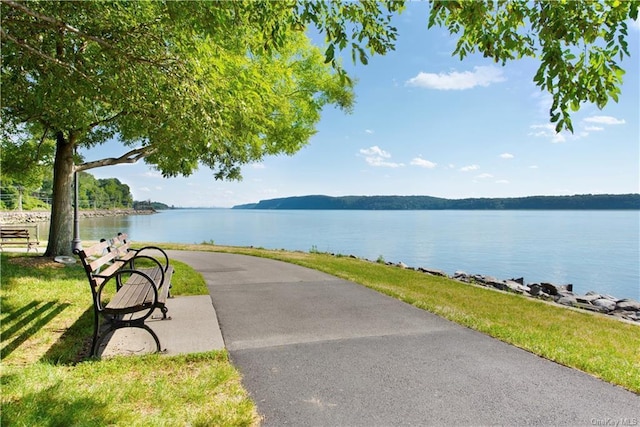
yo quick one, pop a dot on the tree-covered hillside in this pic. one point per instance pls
(93, 193)
(583, 201)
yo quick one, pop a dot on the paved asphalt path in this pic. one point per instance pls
(315, 350)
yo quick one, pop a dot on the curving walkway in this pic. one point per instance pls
(315, 350)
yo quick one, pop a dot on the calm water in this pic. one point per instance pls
(593, 250)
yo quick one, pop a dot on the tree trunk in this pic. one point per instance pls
(61, 227)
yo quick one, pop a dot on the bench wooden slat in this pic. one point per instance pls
(95, 250)
(156, 275)
(107, 256)
(18, 243)
(97, 264)
(131, 298)
(14, 234)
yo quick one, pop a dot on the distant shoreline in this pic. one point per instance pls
(22, 217)
(575, 202)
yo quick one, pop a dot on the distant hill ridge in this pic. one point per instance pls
(576, 202)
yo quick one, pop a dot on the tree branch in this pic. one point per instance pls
(129, 157)
(56, 22)
(44, 135)
(4, 35)
(64, 26)
(107, 120)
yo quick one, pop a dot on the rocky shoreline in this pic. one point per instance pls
(563, 295)
(28, 217)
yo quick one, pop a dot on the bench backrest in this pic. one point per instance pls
(16, 233)
(105, 258)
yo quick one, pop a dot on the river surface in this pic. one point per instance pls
(593, 250)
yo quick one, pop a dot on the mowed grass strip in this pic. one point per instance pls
(199, 389)
(46, 379)
(599, 345)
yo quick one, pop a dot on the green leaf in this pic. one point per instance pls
(329, 54)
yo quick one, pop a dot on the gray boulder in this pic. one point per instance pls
(607, 304)
(516, 287)
(497, 284)
(567, 300)
(549, 288)
(535, 289)
(628, 305)
(590, 297)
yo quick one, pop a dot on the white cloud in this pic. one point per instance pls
(502, 181)
(480, 76)
(533, 167)
(423, 163)
(548, 131)
(258, 166)
(375, 156)
(469, 168)
(144, 189)
(507, 156)
(484, 176)
(369, 131)
(152, 174)
(375, 151)
(605, 120)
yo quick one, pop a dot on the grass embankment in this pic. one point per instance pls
(46, 378)
(599, 345)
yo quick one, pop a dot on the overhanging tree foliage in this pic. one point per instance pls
(181, 83)
(578, 43)
(225, 83)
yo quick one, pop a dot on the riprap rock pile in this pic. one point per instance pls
(625, 308)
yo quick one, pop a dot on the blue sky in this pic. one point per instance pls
(426, 123)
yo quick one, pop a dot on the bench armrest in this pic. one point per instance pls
(151, 249)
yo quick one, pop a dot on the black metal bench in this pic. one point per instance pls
(19, 236)
(125, 294)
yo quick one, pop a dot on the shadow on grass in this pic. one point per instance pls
(56, 407)
(74, 345)
(26, 322)
(25, 314)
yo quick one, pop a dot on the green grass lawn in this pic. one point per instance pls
(46, 325)
(47, 379)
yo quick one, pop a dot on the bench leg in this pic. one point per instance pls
(94, 341)
(155, 337)
(164, 310)
(114, 326)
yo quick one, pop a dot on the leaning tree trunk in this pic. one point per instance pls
(60, 229)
